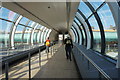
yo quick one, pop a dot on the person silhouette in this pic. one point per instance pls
(68, 47)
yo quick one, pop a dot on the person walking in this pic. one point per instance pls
(47, 43)
(68, 47)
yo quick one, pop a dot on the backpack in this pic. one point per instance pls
(47, 43)
(68, 42)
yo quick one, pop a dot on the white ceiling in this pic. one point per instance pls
(54, 17)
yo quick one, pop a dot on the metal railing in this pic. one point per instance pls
(101, 72)
(29, 62)
(19, 48)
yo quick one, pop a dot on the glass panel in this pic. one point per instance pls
(84, 9)
(38, 27)
(96, 3)
(82, 32)
(76, 37)
(77, 21)
(110, 31)
(27, 35)
(31, 23)
(5, 28)
(77, 30)
(8, 14)
(96, 34)
(73, 35)
(38, 36)
(23, 21)
(35, 36)
(18, 35)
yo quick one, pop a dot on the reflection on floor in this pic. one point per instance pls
(56, 66)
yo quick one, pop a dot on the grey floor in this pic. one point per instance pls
(58, 67)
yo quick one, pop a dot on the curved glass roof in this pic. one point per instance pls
(95, 11)
(23, 30)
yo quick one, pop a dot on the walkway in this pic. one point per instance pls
(57, 66)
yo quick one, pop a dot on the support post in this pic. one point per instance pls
(29, 58)
(39, 57)
(6, 70)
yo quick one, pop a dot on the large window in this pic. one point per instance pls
(35, 36)
(82, 31)
(7, 14)
(24, 21)
(27, 35)
(22, 36)
(85, 9)
(102, 11)
(110, 31)
(96, 3)
(96, 34)
(18, 35)
(5, 33)
(79, 33)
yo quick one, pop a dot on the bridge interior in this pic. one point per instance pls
(93, 26)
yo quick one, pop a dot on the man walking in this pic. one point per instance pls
(47, 43)
(68, 47)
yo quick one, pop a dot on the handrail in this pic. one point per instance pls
(95, 65)
(29, 58)
(17, 46)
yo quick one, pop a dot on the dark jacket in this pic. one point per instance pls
(68, 43)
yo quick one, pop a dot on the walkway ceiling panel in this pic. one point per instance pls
(50, 14)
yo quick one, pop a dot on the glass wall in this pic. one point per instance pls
(84, 9)
(93, 11)
(96, 34)
(8, 14)
(110, 31)
(80, 19)
(5, 26)
(5, 33)
(27, 34)
(83, 15)
(18, 35)
(79, 32)
(22, 35)
(35, 37)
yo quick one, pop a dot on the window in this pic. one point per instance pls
(76, 36)
(35, 36)
(73, 34)
(96, 34)
(27, 35)
(5, 28)
(24, 21)
(96, 3)
(84, 9)
(110, 31)
(7, 14)
(84, 40)
(78, 31)
(18, 35)
(31, 23)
